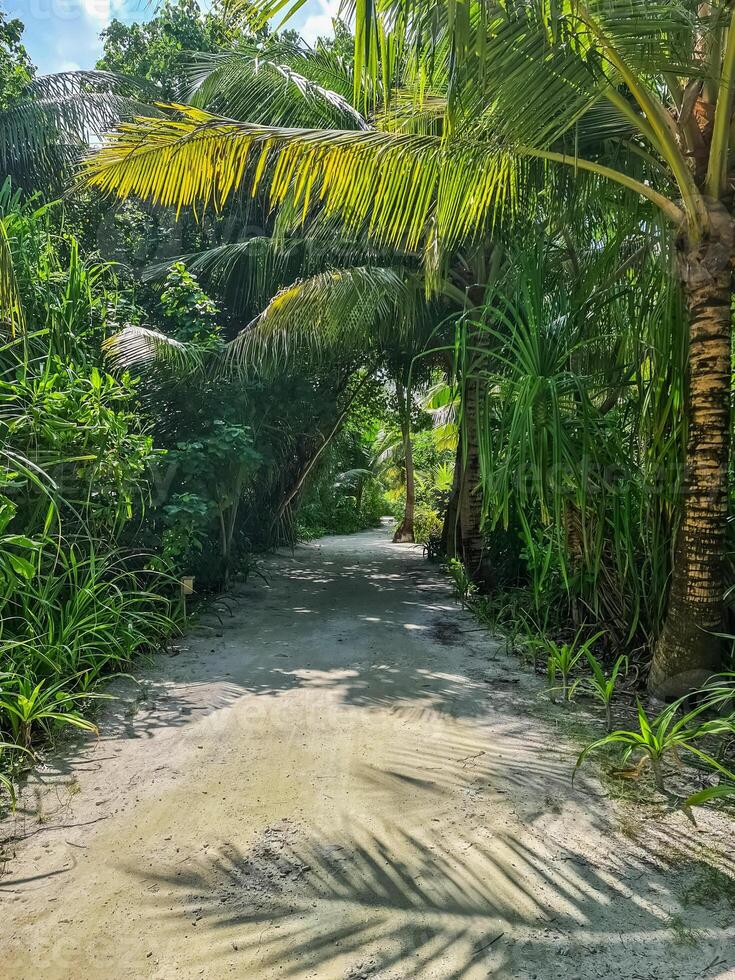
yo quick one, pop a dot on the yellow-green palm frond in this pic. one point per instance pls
(413, 110)
(560, 77)
(353, 310)
(395, 187)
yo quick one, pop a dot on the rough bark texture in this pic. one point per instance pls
(405, 530)
(687, 652)
(470, 495)
(451, 535)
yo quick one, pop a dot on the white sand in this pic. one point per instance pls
(346, 779)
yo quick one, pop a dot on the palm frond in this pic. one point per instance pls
(441, 402)
(60, 114)
(393, 185)
(252, 85)
(346, 309)
(656, 36)
(140, 347)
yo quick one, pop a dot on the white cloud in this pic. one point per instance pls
(97, 9)
(320, 25)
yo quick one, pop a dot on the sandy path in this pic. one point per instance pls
(346, 780)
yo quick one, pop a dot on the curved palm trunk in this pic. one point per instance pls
(311, 461)
(687, 652)
(405, 530)
(451, 543)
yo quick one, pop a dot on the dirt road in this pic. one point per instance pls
(345, 779)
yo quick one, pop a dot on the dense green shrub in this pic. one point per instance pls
(78, 600)
(324, 512)
(428, 524)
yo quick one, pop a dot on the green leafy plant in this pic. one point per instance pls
(216, 466)
(27, 704)
(433, 548)
(464, 587)
(602, 686)
(83, 610)
(562, 659)
(667, 735)
(186, 517)
(191, 314)
(719, 792)
(74, 471)
(18, 552)
(427, 524)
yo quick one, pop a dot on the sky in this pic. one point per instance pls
(63, 35)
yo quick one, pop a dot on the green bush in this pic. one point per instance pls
(69, 617)
(340, 516)
(427, 524)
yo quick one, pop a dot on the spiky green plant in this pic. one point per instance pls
(464, 587)
(664, 735)
(562, 660)
(602, 686)
(27, 704)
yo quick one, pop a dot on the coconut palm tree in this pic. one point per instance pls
(480, 101)
(289, 83)
(47, 129)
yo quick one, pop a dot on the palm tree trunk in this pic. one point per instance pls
(451, 543)
(687, 652)
(405, 530)
(470, 495)
(359, 491)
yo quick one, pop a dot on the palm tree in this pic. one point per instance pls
(638, 95)
(360, 316)
(47, 130)
(289, 83)
(650, 89)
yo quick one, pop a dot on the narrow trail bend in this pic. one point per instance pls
(342, 780)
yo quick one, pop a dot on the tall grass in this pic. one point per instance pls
(77, 617)
(73, 473)
(81, 614)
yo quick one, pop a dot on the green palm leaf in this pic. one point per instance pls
(50, 128)
(344, 308)
(254, 85)
(395, 184)
(135, 347)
